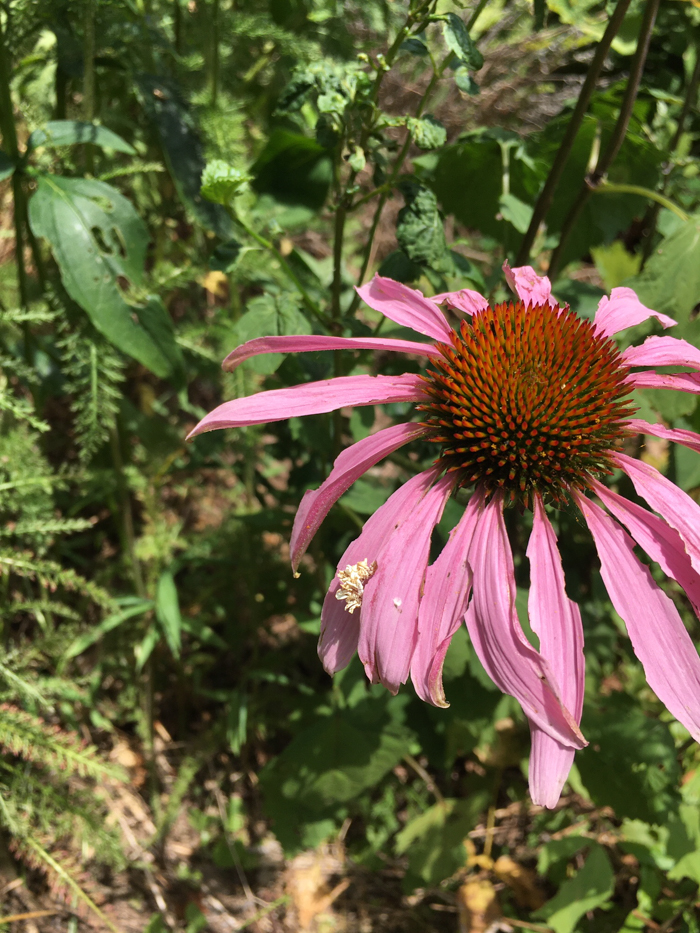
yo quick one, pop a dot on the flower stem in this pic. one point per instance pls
(605, 188)
(544, 201)
(618, 134)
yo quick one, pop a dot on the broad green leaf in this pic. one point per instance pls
(428, 132)
(338, 757)
(615, 263)
(515, 211)
(168, 611)
(670, 282)
(420, 230)
(106, 625)
(414, 46)
(182, 148)
(591, 887)
(293, 169)
(365, 497)
(96, 236)
(434, 840)
(70, 132)
(459, 41)
(630, 764)
(7, 166)
(270, 316)
(221, 182)
(557, 850)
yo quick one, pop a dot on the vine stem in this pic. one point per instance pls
(618, 134)
(546, 196)
(661, 201)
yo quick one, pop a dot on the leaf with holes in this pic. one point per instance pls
(97, 237)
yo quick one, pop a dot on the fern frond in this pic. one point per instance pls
(52, 575)
(40, 607)
(36, 314)
(34, 740)
(136, 167)
(42, 858)
(52, 526)
(22, 686)
(93, 372)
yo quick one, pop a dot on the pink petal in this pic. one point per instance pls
(350, 464)
(389, 614)
(677, 435)
(557, 622)
(656, 538)
(663, 351)
(301, 344)
(448, 586)
(623, 309)
(680, 511)
(466, 299)
(681, 382)
(531, 288)
(340, 629)
(405, 306)
(311, 398)
(509, 659)
(659, 638)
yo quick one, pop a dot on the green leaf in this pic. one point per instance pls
(630, 764)
(7, 166)
(96, 236)
(459, 41)
(71, 132)
(357, 160)
(670, 282)
(428, 132)
(465, 82)
(106, 625)
(420, 230)
(515, 211)
(434, 840)
(182, 148)
(591, 887)
(267, 316)
(221, 182)
(414, 46)
(293, 169)
(168, 611)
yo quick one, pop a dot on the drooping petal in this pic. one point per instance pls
(663, 351)
(656, 538)
(350, 464)
(676, 435)
(340, 629)
(659, 638)
(509, 659)
(622, 310)
(312, 398)
(531, 288)
(557, 622)
(681, 382)
(680, 511)
(305, 343)
(448, 586)
(466, 299)
(406, 306)
(389, 614)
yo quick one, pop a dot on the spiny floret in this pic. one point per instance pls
(528, 399)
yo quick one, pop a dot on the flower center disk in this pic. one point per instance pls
(529, 399)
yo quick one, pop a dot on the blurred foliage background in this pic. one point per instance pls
(176, 178)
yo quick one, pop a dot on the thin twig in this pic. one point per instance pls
(544, 201)
(618, 134)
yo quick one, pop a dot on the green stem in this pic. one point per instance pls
(605, 188)
(618, 134)
(215, 53)
(309, 303)
(127, 519)
(89, 78)
(544, 201)
(9, 138)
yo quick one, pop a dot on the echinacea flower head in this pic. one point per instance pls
(525, 403)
